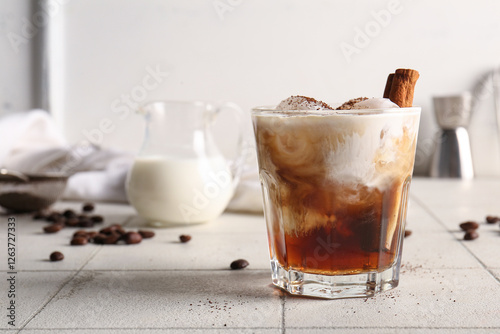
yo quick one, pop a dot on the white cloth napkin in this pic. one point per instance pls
(25, 132)
(30, 142)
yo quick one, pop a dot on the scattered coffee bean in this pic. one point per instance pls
(91, 234)
(471, 235)
(97, 219)
(115, 228)
(61, 220)
(132, 238)
(107, 230)
(85, 223)
(185, 238)
(81, 233)
(53, 228)
(79, 241)
(72, 222)
(112, 234)
(100, 238)
(146, 234)
(115, 233)
(492, 219)
(120, 230)
(239, 264)
(88, 207)
(39, 216)
(408, 233)
(69, 213)
(111, 239)
(56, 256)
(470, 225)
(53, 216)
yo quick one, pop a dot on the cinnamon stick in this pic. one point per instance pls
(388, 86)
(403, 86)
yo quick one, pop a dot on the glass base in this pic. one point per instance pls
(334, 287)
(166, 224)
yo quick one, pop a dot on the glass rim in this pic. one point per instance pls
(269, 110)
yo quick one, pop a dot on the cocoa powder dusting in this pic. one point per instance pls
(350, 104)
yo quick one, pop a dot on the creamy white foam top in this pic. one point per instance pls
(352, 145)
(302, 103)
(375, 103)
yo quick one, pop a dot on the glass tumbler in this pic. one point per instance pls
(335, 187)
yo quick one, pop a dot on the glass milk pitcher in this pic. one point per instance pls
(180, 176)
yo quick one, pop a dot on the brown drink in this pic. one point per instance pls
(335, 187)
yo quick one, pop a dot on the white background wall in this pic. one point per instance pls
(16, 90)
(256, 52)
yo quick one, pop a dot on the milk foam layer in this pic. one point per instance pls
(335, 158)
(375, 103)
(302, 103)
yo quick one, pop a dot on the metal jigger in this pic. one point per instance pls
(452, 157)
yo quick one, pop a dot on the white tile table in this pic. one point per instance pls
(163, 286)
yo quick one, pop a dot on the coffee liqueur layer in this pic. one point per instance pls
(333, 184)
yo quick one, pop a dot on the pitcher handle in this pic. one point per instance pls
(236, 165)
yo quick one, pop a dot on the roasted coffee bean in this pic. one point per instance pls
(39, 216)
(81, 233)
(88, 207)
(132, 238)
(79, 241)
(85, 223)
(408, 233)
(72, 222)
(97, 219)
(69, 213)
(91, 234)
(60, 220)
(108, 230)
(53, 228)
(99, 238)
(469, 226)
(56, 256)
(53, 216)
(146, 234)
(471, 235)
(115, 228)
(239, 264)
(492, 219)
(120, 230)
(112, 239)
(185, 238)
(82, 216)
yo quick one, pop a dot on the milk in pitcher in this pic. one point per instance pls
(177, 190)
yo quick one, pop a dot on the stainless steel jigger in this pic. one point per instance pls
(452, 157)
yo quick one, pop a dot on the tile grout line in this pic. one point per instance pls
(431, 213)
(395, 327)
(162, 329)
(128, 220)
(141, 270)
(41, 308)
(283, 302)
(187, 329)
